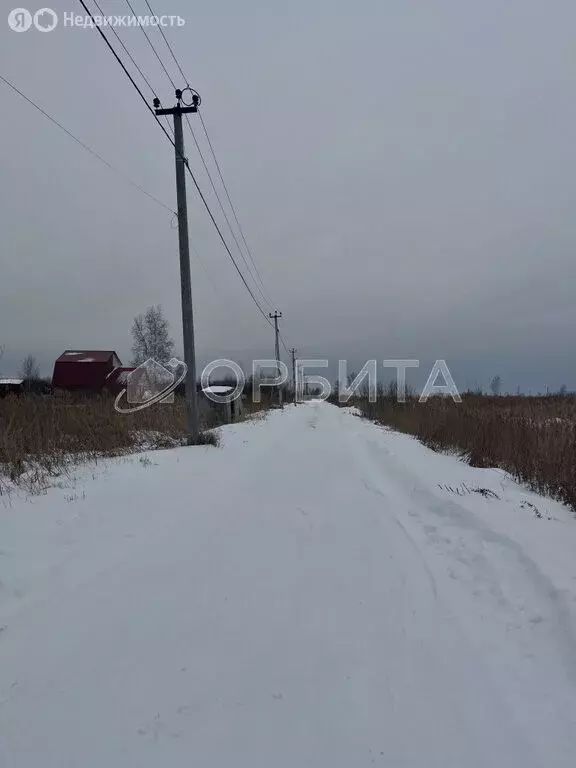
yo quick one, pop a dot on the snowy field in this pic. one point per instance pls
(317, 593)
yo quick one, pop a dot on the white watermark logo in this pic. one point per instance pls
(20, 20)
(150, 383)
(153, 382)
(46, 19)
(364, 384)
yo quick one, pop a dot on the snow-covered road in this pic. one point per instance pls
(311, 595)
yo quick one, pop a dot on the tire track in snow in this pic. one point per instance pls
(480, 549)
(377, 492)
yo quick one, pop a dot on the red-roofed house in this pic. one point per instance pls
(84, 370)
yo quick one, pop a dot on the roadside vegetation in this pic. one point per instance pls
(45, 429)
(43, 437)
(532, 438)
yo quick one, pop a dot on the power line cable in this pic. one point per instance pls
(85, 146)
(204, 201)
(202, 197)
(262, 312)
(142, 75)
(151, 44)
(159, 58)
(168, 44)
(126, 72)
(221, 205)
(228, 197)
(243, 237)
(204, 163)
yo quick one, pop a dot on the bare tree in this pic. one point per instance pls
(496, 385)
(30, 368)
(151, 337)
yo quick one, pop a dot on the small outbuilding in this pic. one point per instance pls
(84, 370)
(221, 412)
(11, 387)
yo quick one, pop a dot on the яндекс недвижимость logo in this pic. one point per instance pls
(21, 19)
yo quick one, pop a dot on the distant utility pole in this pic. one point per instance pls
(276, 316)
(293, 353)
(180, 109)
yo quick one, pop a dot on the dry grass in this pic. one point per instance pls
(45, 436)
(252, 409)
(532, 438)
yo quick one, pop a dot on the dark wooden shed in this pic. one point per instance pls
(11, 387)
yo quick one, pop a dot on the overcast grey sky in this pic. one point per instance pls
(404, 172)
